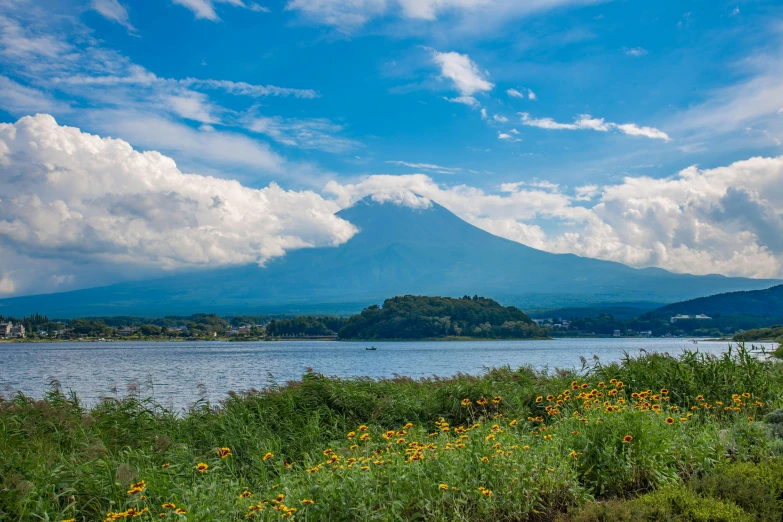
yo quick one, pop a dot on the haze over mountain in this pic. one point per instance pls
(399, 250)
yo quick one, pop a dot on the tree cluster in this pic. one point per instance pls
(422, 317)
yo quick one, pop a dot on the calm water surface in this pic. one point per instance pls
(173, 371)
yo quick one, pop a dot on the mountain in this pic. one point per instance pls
(760, 303)
(398, 251)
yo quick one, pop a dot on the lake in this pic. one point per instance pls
(179, 373)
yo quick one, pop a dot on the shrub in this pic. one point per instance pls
(670, 504)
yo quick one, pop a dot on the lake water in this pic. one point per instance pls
(179, 373)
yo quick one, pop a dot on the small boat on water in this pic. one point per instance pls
(372, 348)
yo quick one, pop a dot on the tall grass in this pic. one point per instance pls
(60, 460)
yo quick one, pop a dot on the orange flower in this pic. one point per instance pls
(244, 494)
(465, 402)
(307, 501)
(202, 467)
(268, 456)
(669, 421)
(627, 439)
(169, 505)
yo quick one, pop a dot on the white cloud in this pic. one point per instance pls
(635, 51)
(192, 106)
(648, 132)
(18, 99)
(504, 136)
(350, 14)
(514, 131)
(157, 132)
(531, 95)
(82, 198)
(500, 119)
(7, 285)
(514, 93)
(725, 220)
(114, 11)
(586, 192)
(247, 89)
(470, 101)
(425, 166)
(483, 114)
(587, 122)
(206, 8)
(460, 69)
(316, 133)
(735, 11)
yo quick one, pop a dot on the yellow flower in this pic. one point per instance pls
(244, 494)
(400, 441)
(526, 448)
(138, 487)
(750, 419)
(307, 501)
(70, 520)
(497, 399)
(166, 465)
(202, 467)
(169, 505)
(482, 401)
(444, 487)
(181, 511)
(280, 498)
(574, 454)
(513, 423)
(328, 452)
(362, 428)
(539, 399)
(484, 459)
(491, 436)
(465, 402)
(699, 397)
(408, 426)
(627, 439)
(669, 421)
(353, 447)
(224, 452)
(268, 456)
(351, 434)
(486, 492)
(365, 436)
(257, 507)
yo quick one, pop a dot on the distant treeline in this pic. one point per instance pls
(660, 324)
(775, 333)
(420, 317)
(306, 325)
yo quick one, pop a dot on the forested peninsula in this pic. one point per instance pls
(422, 317)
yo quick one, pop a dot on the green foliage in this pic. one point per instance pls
(61, 460)
(762, 303)
(761, 334)
(305, 325)
(670, 504)
(421, 317)
(756, 488)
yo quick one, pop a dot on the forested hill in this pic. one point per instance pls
(421, 317)
(762, 303)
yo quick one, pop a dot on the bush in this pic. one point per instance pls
(756, 488)
(670, 504)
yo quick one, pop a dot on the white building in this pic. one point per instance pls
(684, 317)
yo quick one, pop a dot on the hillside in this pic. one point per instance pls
(398, 251)
(758, 303)
(421, 317)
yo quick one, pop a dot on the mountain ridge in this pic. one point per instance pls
(397, 251)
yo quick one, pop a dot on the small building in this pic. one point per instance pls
(18, 331)
(617, 333)
(5, 329)
(699, 317)
(126, 330)
(646, 333)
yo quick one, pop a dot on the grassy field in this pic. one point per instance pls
(651, 438)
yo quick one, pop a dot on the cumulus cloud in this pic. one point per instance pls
(587, 122)
(504, 136)
(81, 197)
(466, 75)
(725, 220)
(500, 119)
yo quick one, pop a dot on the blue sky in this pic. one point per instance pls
(612, 129)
